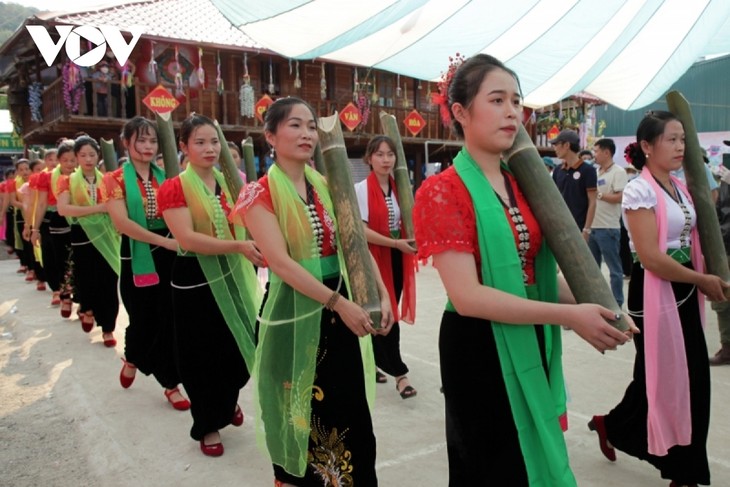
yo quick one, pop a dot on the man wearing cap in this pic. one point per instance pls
(722, 308)
(575, 180)
(605, 238)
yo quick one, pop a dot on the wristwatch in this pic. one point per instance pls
(599, 196)
(587, 231)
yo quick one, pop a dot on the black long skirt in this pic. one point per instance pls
(54, 264)
(96, 282)
(10, 228)
(387, 347)
(482, 444)
(148, 340)
(343, 406)
(626, 423)
(211, 366)
(60, 246)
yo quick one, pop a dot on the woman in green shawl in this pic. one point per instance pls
(503, 289)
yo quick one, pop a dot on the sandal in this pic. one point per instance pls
(408, 391)
(181, 404)
(380, 377)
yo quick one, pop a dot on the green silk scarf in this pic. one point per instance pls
(98, 226)
(143, 265)
(231, 277)
(289, 332)
(536, 402)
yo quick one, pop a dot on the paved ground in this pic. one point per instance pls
(65, 421)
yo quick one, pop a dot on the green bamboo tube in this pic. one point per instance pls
(228, 165)
(32, 155)
(168, 147)
(571, 251)
(249, 165)
(400, 174)
(108, 154)
(319, 161)
(352, 233)
(708, 226)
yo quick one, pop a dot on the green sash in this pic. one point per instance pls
(286, 357)
(143, 266)
(98, 226)
(231, 277)
(536, 402)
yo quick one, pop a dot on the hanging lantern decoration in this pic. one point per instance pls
(179, 90)
(35, 100)
(73, 87)
(127, 81)
(356, 88)
(201, 71)
(397, 87)
(297, 80)
(152, 67)
(271, 78)
(428, 96)
(246, 94)
(218, 80)
(374, 97)
(323, 85)
(406, 103)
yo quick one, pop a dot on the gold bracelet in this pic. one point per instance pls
(332, 301)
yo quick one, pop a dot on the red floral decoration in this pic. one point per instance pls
(363, 106)
(442, 97)
(73, 87)
(630, 152)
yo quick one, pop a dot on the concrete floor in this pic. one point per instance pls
(62, 385)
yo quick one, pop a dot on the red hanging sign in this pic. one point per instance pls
(261, 106)
(553, 132)
(160, 100)
(414, 122)
(350, 117)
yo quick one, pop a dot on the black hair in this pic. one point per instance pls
(22, 160)
(66, 146)
(9, 172)
(650, 128)
(280, 109)
(468, 79)
(232, 145)
(606, 144)
(374, 144)
(35, 163)
(48, 152)
(138, 126)
(85, 140)
(192, 122)
(585, 152)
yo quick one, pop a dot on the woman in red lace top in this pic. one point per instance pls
(498, 274)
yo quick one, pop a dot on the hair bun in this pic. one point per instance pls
(632, 154)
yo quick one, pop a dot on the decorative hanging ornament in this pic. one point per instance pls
(201, 71)
(397, 86)
(73, 87)
(297, 80)
(374, 97)
(323, 85)
(271, 77)
(406, 103)
(246, 94)
(179, 91)
(356, 88)
(35, 100)
(152, 67)
(218, 80)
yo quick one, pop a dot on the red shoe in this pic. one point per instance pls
(125, 381)
(87, 321)
(214, 450)
(41, 286)
(66, 305)
(183, 405)
(30, 276)
(22, 270)
(237, 417)
(109, 340)
(56, 299)
(596, 424)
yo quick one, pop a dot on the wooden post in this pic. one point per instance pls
(249, 164)
(108, 154)
(571, 251)
(166, 134)
(228, 165)
(708, 226)
(352, 233)
(400, 174)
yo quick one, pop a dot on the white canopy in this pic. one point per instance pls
(626, 52)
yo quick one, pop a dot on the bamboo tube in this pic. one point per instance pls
(166, 134)
(32, 155)
(319, 160)
(708, 226)
(108, 154)
(249, 165)
(400, 174)
(352, 233)
(571, 251)
(228, 165)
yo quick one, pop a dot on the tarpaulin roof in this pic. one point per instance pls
(626, 52)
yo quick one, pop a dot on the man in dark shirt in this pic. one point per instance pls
(575, 180)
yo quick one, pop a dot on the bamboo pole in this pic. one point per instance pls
(228, 165)
(352, 233)
(400, 174)
(108, 154)
(319, 160)
(249, 165)
(166, 134)
(571, 251)
(708, 226)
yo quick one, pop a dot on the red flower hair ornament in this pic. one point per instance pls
(442, 97)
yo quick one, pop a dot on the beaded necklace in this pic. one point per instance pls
(151, 207)
(314, 220)
(523, 232)
(684, 236)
